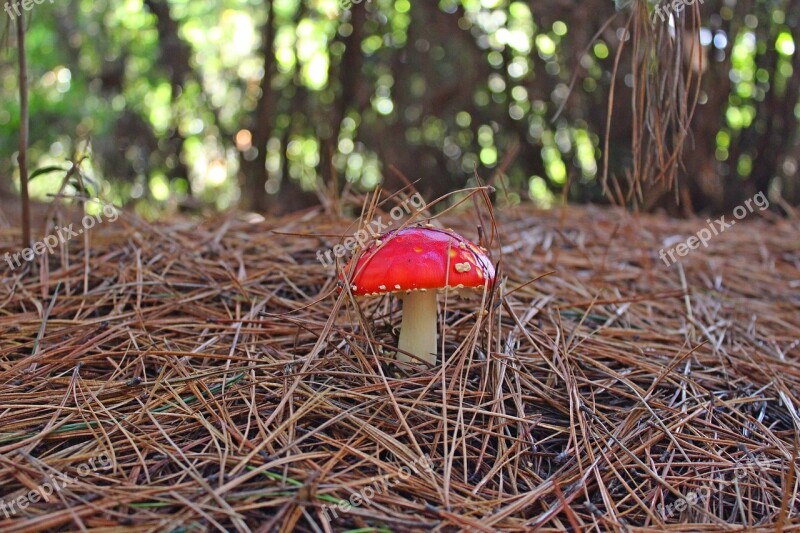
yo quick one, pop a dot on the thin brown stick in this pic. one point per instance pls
(22, 158)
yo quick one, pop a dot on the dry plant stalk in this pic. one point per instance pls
(23, 131)
(666, 90)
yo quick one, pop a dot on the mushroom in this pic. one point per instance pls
(415, 262)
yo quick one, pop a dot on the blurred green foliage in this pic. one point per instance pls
(168, 97)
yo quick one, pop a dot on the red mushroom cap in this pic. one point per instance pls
(418, 258)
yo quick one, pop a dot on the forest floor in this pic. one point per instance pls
(200, 375)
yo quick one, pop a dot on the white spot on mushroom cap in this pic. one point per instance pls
(397, 287)
(463, 267)
(382, 287)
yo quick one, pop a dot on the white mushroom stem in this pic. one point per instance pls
(418, 329)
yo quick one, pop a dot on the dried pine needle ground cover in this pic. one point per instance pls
(194, 377)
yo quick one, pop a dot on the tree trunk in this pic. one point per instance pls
(254, 193)
(350, 79)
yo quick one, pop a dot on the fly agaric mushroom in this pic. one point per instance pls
(415, 262)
